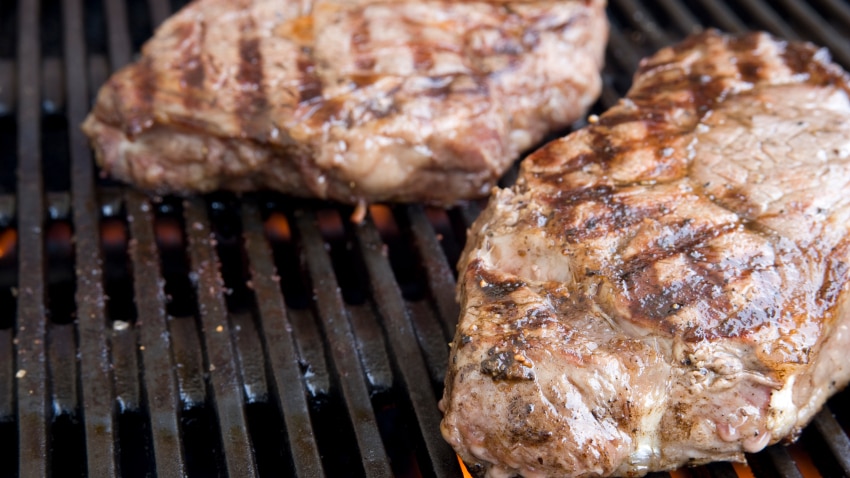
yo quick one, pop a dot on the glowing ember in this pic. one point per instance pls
(277, 227)
(168, 233)
(463, 469)
(383, 218)
(8, 242)
(113, 233)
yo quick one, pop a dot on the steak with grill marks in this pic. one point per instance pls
(667, 286)
(348, 100)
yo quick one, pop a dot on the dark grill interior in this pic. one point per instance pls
(263, 335)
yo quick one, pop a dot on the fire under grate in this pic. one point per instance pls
(261, 335)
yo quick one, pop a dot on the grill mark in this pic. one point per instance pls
(362, 81)
(738, 201)
(837, 275)
(310, 86)
(325, 111)
(615, 216)
(602, 152)
(423, 59)
(658, 302)
(749, 68)
(798, 57)
(802, 58)
(140, 115)
(193, 70)
(360, 39)
(364, 63)
(251, 103)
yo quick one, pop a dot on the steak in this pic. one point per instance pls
(353, 101)
(669, 285)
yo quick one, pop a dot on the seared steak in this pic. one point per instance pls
(348, 100)
(667, 286)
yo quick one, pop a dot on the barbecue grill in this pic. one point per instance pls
(259, 335)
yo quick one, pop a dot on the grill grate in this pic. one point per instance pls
(258, 336)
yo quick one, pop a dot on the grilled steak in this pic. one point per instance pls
(348, 100)
(667, 286)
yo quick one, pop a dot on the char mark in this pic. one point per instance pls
(506, 365)
(656, 300)
(193, 69)
(252, 103)
(496, 288)
(837, 275)
(311, 86)
(610, 213)
(804, 58)
(360, 41)
(139, 116)
(749, 68)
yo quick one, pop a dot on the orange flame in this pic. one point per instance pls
(803, 461)
(277, 227)
(743, 470)
(113, 233)
(168, 232)
(463, 468)
(330, 224)
(8, 241)
(383, 218)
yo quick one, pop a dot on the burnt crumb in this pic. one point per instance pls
(522, 426)
(465, 339)
(506, 365)
(498, 289)
(475, 469)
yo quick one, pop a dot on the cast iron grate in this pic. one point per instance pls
(254, 336)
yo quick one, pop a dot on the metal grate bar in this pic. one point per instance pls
(430, 338)
(31, 318)
(640, 17)
(820, 29)
(125, 365)
(834, 436)
(96, 376)
(839, 9)
(440, 278)
(620, 50)
(769, 18)
(62, 369)
(159, 11)
(7, 374)
(343, 352)
(189, 363)
(225, 379)
(681, 15)
(405, 349)
(159, 380)
(718, 470)
(782, 461)
(118, 33)
(371, 347)
(276, 335)
(724, 16)
(306, 333)
(249, 357)
(158, 375)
